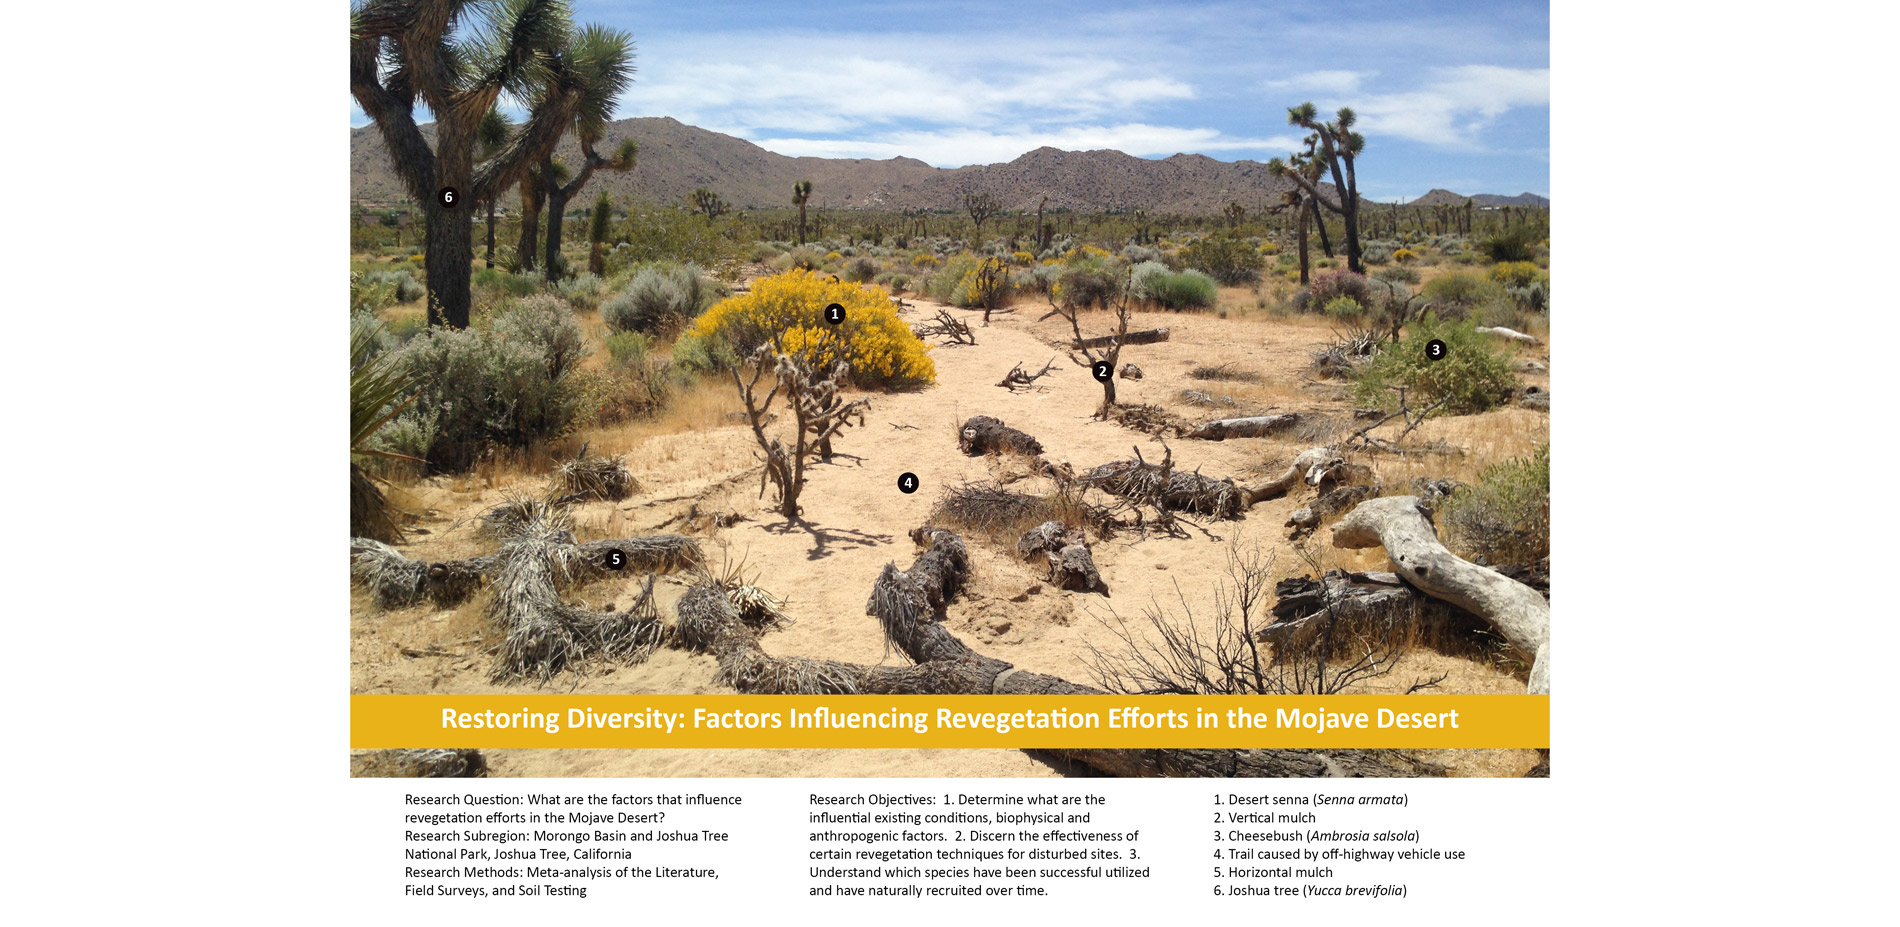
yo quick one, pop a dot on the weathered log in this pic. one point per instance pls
(1505, 333)
(1130, 372)
(1258, 426)
(908, 604)
(1305, 520)
(1355, 600)
(985, 435)
(1401, 525)
(1066, 553)
(1151, 336)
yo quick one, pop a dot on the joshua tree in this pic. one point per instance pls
(801, 194)
(457, 58)
(493, 135)
(534, 193)
(1334, 146)
(1234, 213)
(559, 189)
(981, 206)
(597, 234)
(1043, 232)
(709, 203)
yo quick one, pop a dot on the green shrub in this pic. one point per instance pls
(368, 294)
(658, 233)
(657, 297)
(1345, 309)
(1472, 376)
(1513, 244)
(1229, 260)
(1087, 280)
(1460, 290)
(1397, 273)
(860, 270)
(377, 336)
(1332, 285)
(547, 322)
(1189, 289)
(582, 291)
(480, 389)
(704, 353)
(1505, 518)
(1138, 277)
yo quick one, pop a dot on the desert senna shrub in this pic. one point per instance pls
(1470, 378)
(1505, 518)
(1516, 273)
(788, 311)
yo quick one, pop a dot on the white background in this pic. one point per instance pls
(177, 675)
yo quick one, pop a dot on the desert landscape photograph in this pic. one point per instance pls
(1126, 348)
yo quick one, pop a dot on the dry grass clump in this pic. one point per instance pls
(399, 582)
(1225, 372)
(1003, 515)
(595, 477)
(419, 764)
(546, 636)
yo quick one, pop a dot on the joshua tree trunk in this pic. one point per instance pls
(489, 259)
(1325, 240)
(1306, 211)
(801, 223)
(531, 195)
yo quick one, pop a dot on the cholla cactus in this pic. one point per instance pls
(819, 413)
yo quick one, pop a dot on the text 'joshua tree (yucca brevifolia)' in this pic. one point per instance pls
(1334, 146)
(456, 59)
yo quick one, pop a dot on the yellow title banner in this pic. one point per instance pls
(936, 721)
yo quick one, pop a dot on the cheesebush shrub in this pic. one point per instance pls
(788, 310)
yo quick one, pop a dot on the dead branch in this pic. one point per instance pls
(945, 326)
(1017, 378)
(1151, 336)
(1065, 551)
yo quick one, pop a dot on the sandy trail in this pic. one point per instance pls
(855, 520)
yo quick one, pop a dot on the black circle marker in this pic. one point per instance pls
(907, 483)
(1435, 349)
(616, 559)
(1102, 371)
(834, 314)
(449, 197)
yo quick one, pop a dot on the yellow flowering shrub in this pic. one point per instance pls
(833, 256)
(1516, 273)
(415, 259)
(925, 260)
(1023, 257)
(789, 309)
(1268, 247)
(1404, 254)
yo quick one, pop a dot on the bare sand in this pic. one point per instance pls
(856, 520)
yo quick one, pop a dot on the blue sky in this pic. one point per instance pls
(1453, 95)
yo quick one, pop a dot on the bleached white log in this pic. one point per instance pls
(1516, 611)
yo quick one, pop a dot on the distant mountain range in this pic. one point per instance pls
(676, 158)
(1448, 198)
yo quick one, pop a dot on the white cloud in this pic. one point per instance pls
(833, 84)
(1337, 83)
(956, 147)
(1455, 105)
